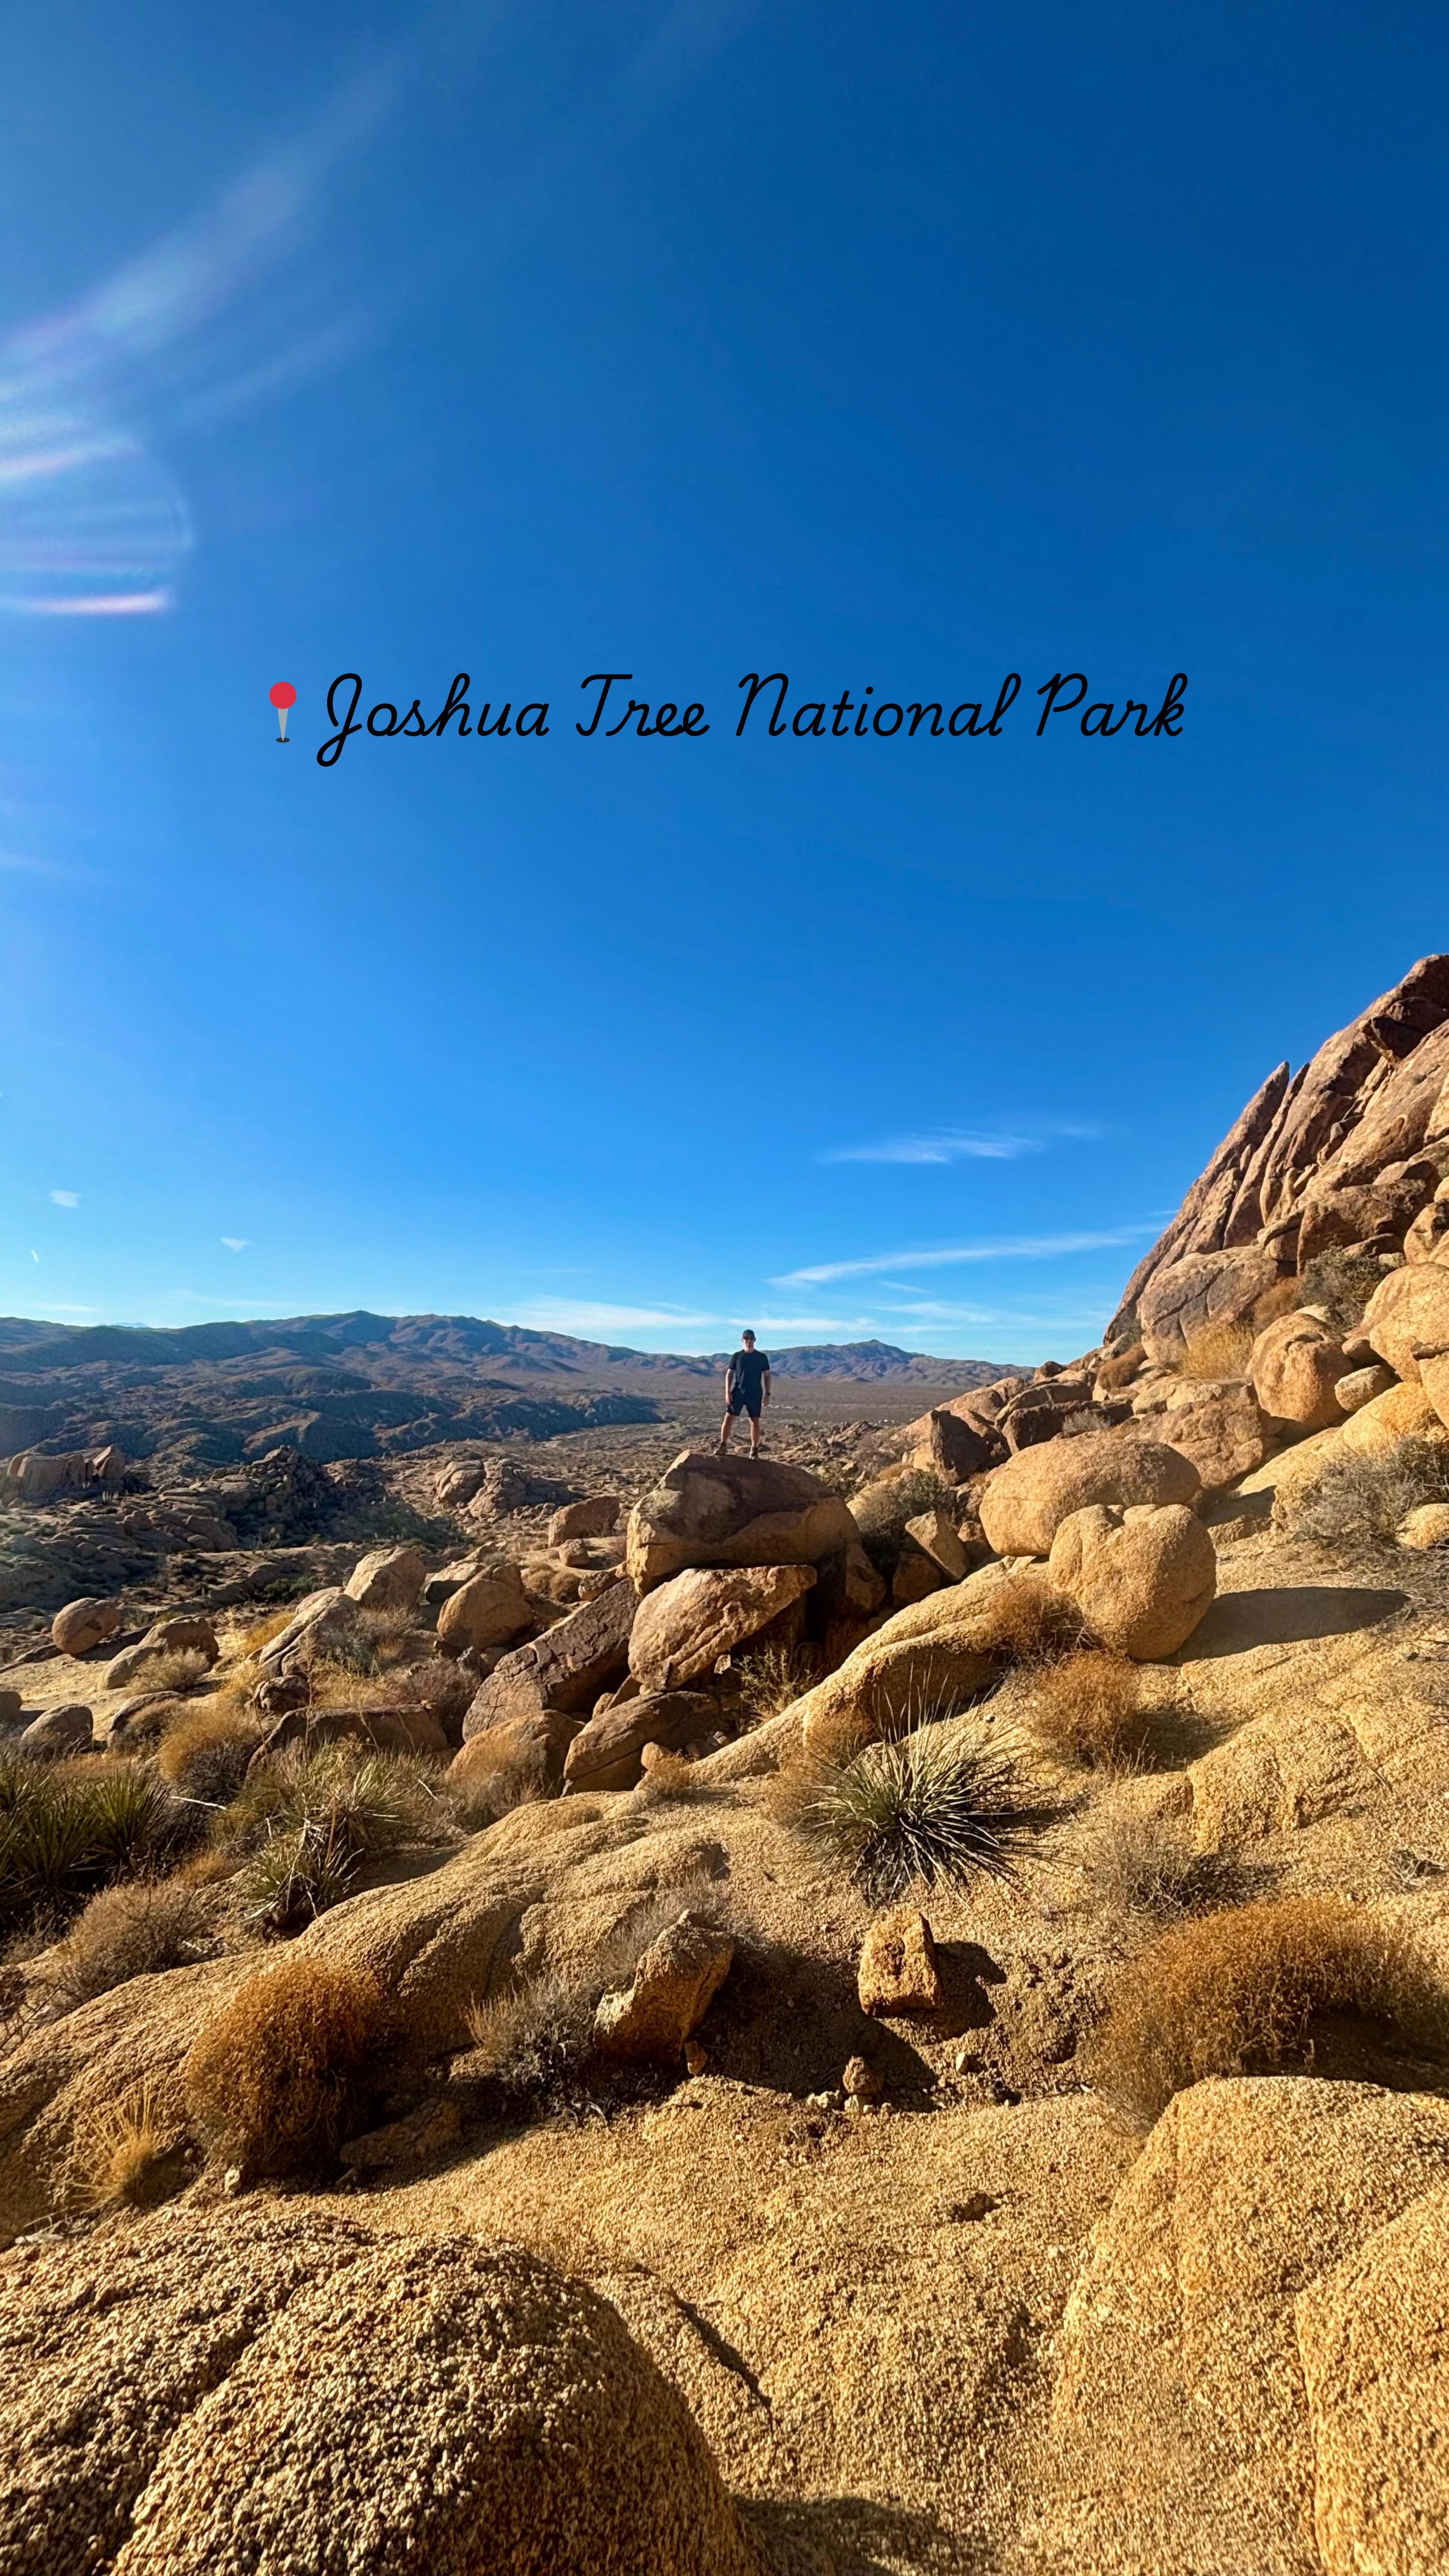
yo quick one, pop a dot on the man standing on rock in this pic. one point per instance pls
(747, 1389)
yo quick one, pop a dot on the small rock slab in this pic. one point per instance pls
(898, 1970)
(675, 1983)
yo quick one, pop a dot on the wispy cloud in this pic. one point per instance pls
(1020, 1247)
(65, 1198)
(965, 1144)
(235, 1242)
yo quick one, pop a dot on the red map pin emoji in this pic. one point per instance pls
(283, 696)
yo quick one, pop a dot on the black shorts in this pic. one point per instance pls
(740, 1403)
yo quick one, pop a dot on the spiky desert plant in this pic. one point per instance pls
(940, 1803)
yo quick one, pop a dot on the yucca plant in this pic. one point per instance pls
(938, 1804)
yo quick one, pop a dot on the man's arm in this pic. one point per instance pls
(765, 1388)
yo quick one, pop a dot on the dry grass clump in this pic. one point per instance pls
(1358, 1499)
(119, 2146)
(882, 1510)
(1237, 1992)
(67, 1828)
(304, 1822)
(1088, 1709)
(1030, 1623)
(1138, 1866)
(276, 2080)
(1341, 1282)
(171, 1668)
(669, 1777)
(495, 1779)
(1218, 1351)
(204, 1756)
(939, 1804)
(133, 1930)
(774, 1677)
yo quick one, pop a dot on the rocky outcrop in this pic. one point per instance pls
(563, 1672)
(1142, 1579)
(490, 1609)
(1025, 1502)
(608, 1752)
(389, 1578)
(257, 2392)
(686, 1624)
(84, 1624)
(1296, 1366)
(707, 1511)
(1349, 1151)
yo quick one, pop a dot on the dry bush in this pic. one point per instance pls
(1358, 1498)
(941, 1803)
(133, 1930)
(774, 1677)
(1030, 1623)
(248, 1637)
(276, 2080)
(882, 1510)
(441, 1686)
(1237, 1992)
(497, 1778)
(171, 1668)
(118, 2146)
(1136, 1865)
(669, 1778)
(1088, 1709)
(204, 1756)
(1218, 1351)
(303, 1823)
(1341, 1282)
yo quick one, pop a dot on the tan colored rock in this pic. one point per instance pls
(253, 2391)
(955, 1446)
(456, 1485)
(1199, 1290)
(1407, 1317)
(1361, 1385)
(84, 1624)
(898, 1972)
(424, 2132)
(1400, 1413)
(490, 1609)
(711, 1511)
(675, 1983)
(323, 1618)
(58, 1732)
(565, 1669)
(915, 1577)
(389, 1578)
(609, 1752)
(685, 1624)
(937, 1534)
(1142, 1578)
(1375, 2359)
(1025, 1502)
(1427, 1525)
(1296, 1365)
(595, 1517)
(933, 1653)
(861, 2081)
(385, 1729)
(182, 1633)
(1428, 1236)
(1218, 1426)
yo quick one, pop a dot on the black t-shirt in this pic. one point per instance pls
(747, 1370)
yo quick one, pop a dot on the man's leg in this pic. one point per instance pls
(754, 1435)
(726, 1427)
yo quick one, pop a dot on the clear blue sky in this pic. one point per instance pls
(891, 349)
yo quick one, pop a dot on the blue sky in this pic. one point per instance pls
(892, 350)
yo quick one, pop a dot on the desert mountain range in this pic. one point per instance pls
(574, 2003)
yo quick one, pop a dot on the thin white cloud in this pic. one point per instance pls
(940, 1145)
(235, 1242)
(65, 1198)
(1021, 1247)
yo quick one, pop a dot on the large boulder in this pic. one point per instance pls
(1296, 1365)
(928, 1659)
(675, 1982)
(1142, 1578)
(937, 1535)
(1025, 1502)
(1207, 1289)
(608, 1752)
(710, 1511)
(1407, 1318)
(323, 1619)
(490, 1609)
(388, 1578)
(58, 1732)
(1400, 1413)
(594, 1517)
(84, 1624)
(1039, 1411)
(251, 2392)
(686, 1624)
(1219, 1426)
(563, 1671)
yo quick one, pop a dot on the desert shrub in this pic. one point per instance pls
(1236, 1992)
(1218, 1351)
(1358, 1498)
(275, 2081)
(1145, 1865)
(774, 1677)
(118, 2146)
(1341, 1282)
(68, 1828)
(204, 1756)
(171, 1668)
(1030, 1623)
(304, 1823)
(1088, 1708)
(131, 1930)
(883, 1509)
(938, 1804)
(496, 1778)
(248, 1636)
(441, 1686)
(670, 1777)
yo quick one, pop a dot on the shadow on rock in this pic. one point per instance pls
(1287, 1615)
